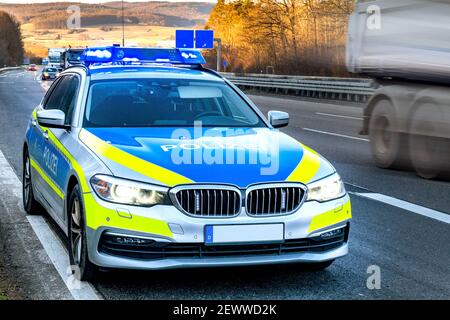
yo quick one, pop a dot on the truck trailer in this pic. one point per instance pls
(54, 57)
(404, 45)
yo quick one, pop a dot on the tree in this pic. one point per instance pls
(293, 36)
(11, 45)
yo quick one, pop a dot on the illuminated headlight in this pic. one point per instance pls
(129, 192)
(46, 74)
(326, 189)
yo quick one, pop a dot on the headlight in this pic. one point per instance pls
(46, 74)
(129, 192)
(326, 189)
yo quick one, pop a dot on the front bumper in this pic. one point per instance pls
(185, 246)
(115, 261)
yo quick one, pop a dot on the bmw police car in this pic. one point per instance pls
(147, 160)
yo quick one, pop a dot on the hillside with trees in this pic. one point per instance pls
(54, 15)
(11, 46)
(285, 36)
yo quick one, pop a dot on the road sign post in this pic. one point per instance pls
(219, 53)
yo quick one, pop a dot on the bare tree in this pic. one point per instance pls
(294, 36)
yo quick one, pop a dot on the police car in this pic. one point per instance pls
(147, 160)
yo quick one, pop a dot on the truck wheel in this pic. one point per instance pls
(386, 143)
(429, 152)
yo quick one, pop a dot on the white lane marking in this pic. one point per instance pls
(335, 134)
(423, 211)
(52, 245)
(44, 85)
(338, 116)
(58, 255)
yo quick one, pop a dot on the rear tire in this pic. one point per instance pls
(77, 241)
(429, 153)
(388, 146)
(30, 204)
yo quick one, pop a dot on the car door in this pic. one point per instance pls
(54, 162)
(36, 145)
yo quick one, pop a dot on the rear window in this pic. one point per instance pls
(166, 102)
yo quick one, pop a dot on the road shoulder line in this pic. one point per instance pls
(80, 290)
(53, 249)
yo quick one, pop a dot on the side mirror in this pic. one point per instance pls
(278, 119)
(52, 119)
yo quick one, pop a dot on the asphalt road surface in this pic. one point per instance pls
(410, 249)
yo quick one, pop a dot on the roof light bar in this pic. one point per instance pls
(123, 55)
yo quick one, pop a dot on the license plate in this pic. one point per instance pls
(244, 233)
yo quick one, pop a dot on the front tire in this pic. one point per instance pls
(77, 240)
(30, 204)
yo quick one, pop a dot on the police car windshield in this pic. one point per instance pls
(166, 103)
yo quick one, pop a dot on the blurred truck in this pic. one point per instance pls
(404, 45)
(70, 57)
(54, 57)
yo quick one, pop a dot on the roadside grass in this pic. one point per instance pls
(7, 291)
(3, 287)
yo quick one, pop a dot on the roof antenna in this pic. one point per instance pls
(123, 27)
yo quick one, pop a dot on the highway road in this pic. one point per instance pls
(401, 223)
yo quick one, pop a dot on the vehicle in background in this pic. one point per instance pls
(70, 57)
(404, 45)
(54, 57)
(49, 73)
(32, 67)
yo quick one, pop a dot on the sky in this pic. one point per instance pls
(95, 1)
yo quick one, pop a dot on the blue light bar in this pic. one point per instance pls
(124, 56)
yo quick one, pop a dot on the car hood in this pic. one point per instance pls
(173, 156)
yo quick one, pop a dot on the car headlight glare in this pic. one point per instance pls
(326, 189)
(129, 192)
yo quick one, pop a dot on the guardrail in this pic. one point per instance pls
(9, 68)
(348, 89)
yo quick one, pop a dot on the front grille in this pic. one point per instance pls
(276, 200)
(209, 202)
(159, 250)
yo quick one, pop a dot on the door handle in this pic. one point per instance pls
(45, 134)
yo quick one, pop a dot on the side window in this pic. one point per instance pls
(50, 91)
(63, 97)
